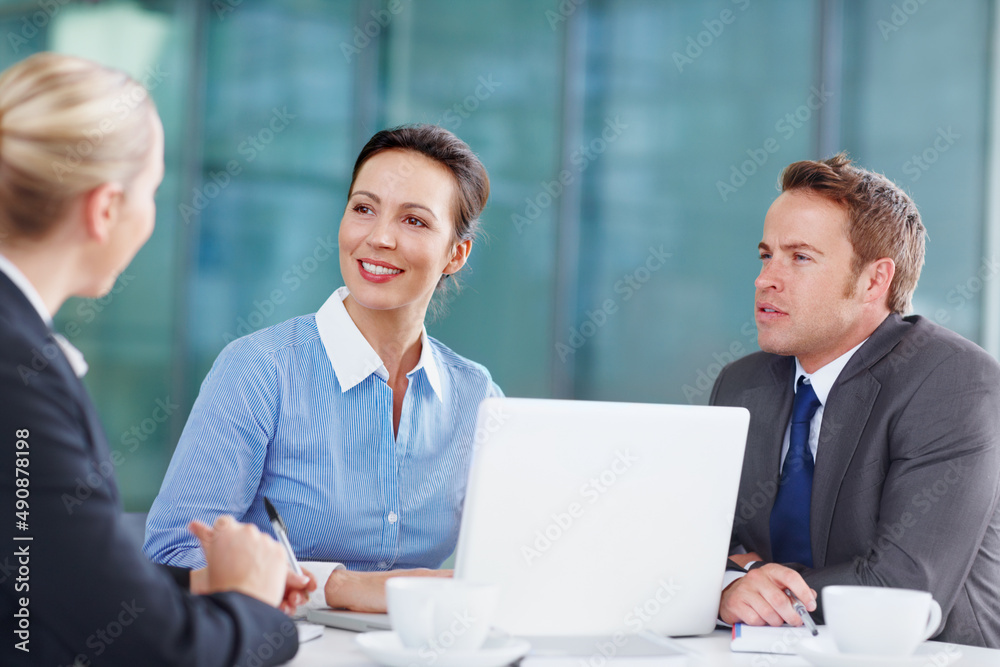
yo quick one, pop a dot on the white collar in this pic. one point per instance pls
(73, 355)
(823, 379)
(26, 288)
(353, 359)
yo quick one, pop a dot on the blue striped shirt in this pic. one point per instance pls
(301, 413)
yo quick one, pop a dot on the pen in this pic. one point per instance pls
(800, 609)
(279, 529)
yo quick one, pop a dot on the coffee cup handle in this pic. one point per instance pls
(934, 621)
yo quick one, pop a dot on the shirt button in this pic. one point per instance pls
(383, 565)
(392, 517)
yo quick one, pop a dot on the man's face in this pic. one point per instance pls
(807, 303)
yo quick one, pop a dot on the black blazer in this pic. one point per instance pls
(90, 594)
(907, 477)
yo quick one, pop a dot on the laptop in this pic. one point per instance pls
(599, 518)
(355, 621)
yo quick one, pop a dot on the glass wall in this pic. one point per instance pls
(633, 148)
(705, 97)
(129, 336)
(931, 141)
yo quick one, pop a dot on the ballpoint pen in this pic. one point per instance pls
(279, 529)
(800, 609)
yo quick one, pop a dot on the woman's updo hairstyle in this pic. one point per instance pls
(67, 125)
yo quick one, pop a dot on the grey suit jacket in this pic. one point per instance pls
(907, 474)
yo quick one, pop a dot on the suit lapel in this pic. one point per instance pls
(769, 403)
(100, 450)
(24, 314)
(843, 423)
(845, 417)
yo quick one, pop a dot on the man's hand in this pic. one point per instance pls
(743, 559)
(365, 591)
(758, 598)
(241, 558)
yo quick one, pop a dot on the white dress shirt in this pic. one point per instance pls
(822, 382)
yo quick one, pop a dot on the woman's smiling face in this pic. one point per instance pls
(397, 236)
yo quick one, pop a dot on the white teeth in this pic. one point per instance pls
(768, 310)
(379, 270)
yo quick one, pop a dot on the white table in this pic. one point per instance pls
(336, 648)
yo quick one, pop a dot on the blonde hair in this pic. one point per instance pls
(67, 125)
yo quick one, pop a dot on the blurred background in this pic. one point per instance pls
(633, 147)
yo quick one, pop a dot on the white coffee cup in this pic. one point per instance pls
(441, 614)
(879, 621)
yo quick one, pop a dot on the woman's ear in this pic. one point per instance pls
(101, 210)
(459, 256)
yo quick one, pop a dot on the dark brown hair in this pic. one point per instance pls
(882, 219)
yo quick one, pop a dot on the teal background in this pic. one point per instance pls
(619, 248)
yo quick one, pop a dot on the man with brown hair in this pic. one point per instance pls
(873, 456)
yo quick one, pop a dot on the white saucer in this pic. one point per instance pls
(386, 648)
(822, 652)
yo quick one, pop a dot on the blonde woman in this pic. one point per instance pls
(77, 180)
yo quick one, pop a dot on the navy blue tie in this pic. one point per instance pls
(790, 515)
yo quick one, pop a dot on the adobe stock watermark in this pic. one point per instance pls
(121, 107)
(453, 118)
(491, 423)
(920, 163)
(87, 311)
(249, 149)
(890, 534)
(783, 645)
(965, 292)
(293, 278)
(563, 11)
(785, 127)
(102, 638)
(581, 158)
(898, 17)
(627, 287)
(639, 617)
(591, 491)
(444, 640)
(958, 296)
(163, 410)
(223, 8)
(364, 34)
(636, 620)
(705, 377)
(714, 27)
(30, 25)
(269, 647)
(922, 503)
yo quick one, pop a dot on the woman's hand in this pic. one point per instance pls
(297, 587)
(240, 558)
(365, 591)
(297, 590)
